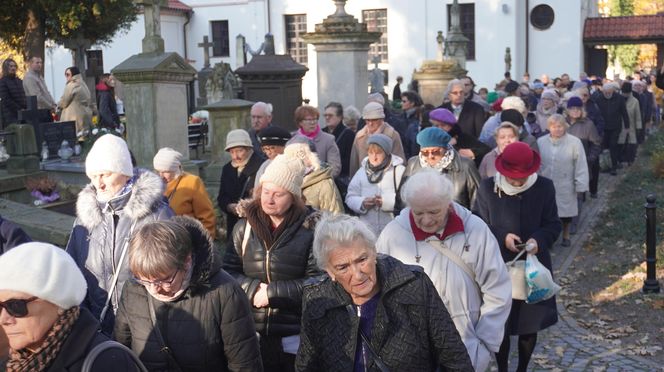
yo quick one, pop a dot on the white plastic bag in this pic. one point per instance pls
(517, 270)
(539, 280)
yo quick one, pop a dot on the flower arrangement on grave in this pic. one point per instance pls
(87, 137)
(43, 189)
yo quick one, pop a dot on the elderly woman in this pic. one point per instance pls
(461, 256)
(306, 118)
(505, 134)
(237, 176)
(520, 208)
(564, 162)
(273, 141)
(108, 210)
(372, 192)
(465, 144)
(181, 299)
(271, 257)
(355, 319)
(437, 153)
(185, 192)
(76, 101)
(547, 106)
(627, 136)
(318, 187)
(39, 310)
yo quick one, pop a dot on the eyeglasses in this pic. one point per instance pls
(18, 308)
(456, 93)
(309, 120)
(157, 283)
(427, 153)
(67, 74)
(328, 115)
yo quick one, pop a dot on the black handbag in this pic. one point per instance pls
(175, 366)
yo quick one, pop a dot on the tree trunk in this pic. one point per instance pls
(34, 38)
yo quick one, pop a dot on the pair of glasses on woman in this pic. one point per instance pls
(18, 308)
(427, 153)
(157, 283)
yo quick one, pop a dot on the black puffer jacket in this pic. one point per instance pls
(12, 99)
(209, 328)
(284, 267)
(412, 330)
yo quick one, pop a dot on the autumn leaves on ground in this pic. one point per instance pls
(603, 285)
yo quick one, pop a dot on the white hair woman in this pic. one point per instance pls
(342, 328)
(564, 162)
(39, 311)
(180, 299)
(185, 192)
(505, 134)
(461, 256)
(547, 106)
(108, 210)
(271, 258)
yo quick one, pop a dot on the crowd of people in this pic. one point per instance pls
(368, 242)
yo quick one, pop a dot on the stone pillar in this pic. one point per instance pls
(342, 46)
(22, 148)
(225, 116)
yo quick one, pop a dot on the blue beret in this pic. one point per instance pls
(433, 137)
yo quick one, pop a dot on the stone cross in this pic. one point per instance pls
(152, 42)
(78, 45)
(206, 45)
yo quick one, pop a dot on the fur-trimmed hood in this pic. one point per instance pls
(136, 204)
(206, 262)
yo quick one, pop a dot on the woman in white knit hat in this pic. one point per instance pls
(108, 210)
(39, 311)
(271, 257)
(185, 192)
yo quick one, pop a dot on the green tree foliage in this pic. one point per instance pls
(626, 55)
(26, 25)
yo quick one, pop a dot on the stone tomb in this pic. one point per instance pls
(54, 133)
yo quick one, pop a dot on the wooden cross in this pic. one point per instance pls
(206, 45)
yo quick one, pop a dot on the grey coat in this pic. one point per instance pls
(101, 231)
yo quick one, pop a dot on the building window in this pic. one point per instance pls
(296, 26)
(376, 20)
(467, 24)
(220, 44)
(542, 16)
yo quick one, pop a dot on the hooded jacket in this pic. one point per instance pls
(209, 328)
(480, 307)
(107, 107)
(102, 230)
(320, 191)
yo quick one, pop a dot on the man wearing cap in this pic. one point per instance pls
(108, 210)
(437, 153)
(470, 116)
(273, 142)
(237, 176)
(466, 145)
(373, 116)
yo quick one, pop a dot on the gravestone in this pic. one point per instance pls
(95, 65)
(22, 148)
(54, 133)
(205, 73)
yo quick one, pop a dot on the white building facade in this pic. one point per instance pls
(545, 37)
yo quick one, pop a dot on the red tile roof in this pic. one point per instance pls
(628, 29)
(178, 6)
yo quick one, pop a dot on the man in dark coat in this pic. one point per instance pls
(108, 109)
(11, 236)
(613, 110)
(470, 115)
(12, 95)
(343, 136)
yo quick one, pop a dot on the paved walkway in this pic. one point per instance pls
(566, 346)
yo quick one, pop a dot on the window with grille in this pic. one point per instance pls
(376, 20)
(220, 42)
(467, 24)
(296, 25)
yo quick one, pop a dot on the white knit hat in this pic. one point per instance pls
(167, 159)
(285, 172)
(45, 271)
(109, 153)
(237, 137)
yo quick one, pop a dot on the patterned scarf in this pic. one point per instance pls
(41, 359)
(443, 163)
(375, 174)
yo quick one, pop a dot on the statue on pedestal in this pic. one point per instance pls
(221, 84)
(377, 77)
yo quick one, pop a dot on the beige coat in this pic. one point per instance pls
(361, 148)
(634, 113)
(76, 104)
(320, 191)
(34, 85)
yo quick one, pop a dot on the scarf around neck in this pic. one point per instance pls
(310, 135)
(500, 184)
(375, 174)
(443, 163)
(39, 360)
(243, 163)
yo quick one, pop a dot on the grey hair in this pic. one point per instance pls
(333, 231)
(352, 113)
(558, 118)
(266, 107)
(507, 125)
(452, 84)
(426, 183)
(159, 247)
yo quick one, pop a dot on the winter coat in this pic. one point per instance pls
(388, 187)
(328, 152)
(75, 103)
(234, 186)
(462, 172)
(187, 196)
(487, 135)
(479, 306)
(586, 131)
(564, 162)
(466, 141)
(613, 111)
(471, 119)
(488, 166)
(11, 236)
(530, 214)
(343, 137)
(12, 99)
(81, 340)
(102, 230)
(108, 109)
(595, 116)
(411, 331)
(320, 191)
(628, 135)
(34, 85)
(283, 267)
(209, 328)
(361, 147)
(410, 146)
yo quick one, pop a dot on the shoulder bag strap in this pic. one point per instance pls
(379, 362)
(164, 348)
(245, 238)
(116, 274)
(454, 258)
